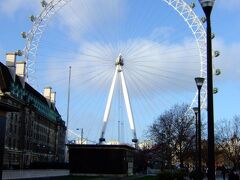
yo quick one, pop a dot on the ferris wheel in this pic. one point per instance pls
(162, 47)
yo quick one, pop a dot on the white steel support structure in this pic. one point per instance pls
(118, 71)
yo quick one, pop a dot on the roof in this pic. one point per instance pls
(6, 80)
(30, 89)
(100, 146)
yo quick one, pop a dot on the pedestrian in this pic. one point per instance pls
(236, 176)
(223, 169)
(231, 175)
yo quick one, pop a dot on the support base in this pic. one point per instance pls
(134, 140)
(101, 140)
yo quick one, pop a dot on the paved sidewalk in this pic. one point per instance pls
(36, 173)
(46, 174)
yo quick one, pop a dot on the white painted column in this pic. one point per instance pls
(128, 107)
(108, 106)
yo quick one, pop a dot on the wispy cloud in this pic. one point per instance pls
(162, 33)
(11, 7)
(79, 17)
(229, 4)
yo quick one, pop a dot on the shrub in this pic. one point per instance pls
(166, 174)
(195, 175)
(177, 174)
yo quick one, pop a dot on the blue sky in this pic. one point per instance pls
(88, 36)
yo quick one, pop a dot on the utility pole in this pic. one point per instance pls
(68, 103)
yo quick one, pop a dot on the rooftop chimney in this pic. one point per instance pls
(11, 63)
(53, 98)
(47, 93)
(20, 71)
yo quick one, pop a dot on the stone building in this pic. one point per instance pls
(36, 132)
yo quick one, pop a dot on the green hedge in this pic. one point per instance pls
(177, 174)
(195, 175)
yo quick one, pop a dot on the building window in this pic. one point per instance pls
(11, 127)
(14, 144)
(15, 129)
(19, 144)
(28, 146)
(9, 142)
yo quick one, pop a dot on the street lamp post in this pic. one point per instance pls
(199, 83)
(195, 110)
(207, 6)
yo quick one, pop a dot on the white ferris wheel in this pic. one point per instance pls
(129, 60)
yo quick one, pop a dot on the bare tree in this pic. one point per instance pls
(174, 133)
(228, 140)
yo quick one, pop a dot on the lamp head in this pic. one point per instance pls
(207, 3)
(199, 81)
(195, 110)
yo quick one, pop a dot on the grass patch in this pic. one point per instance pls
(102, 178)
(77, 177)
(146, 178)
